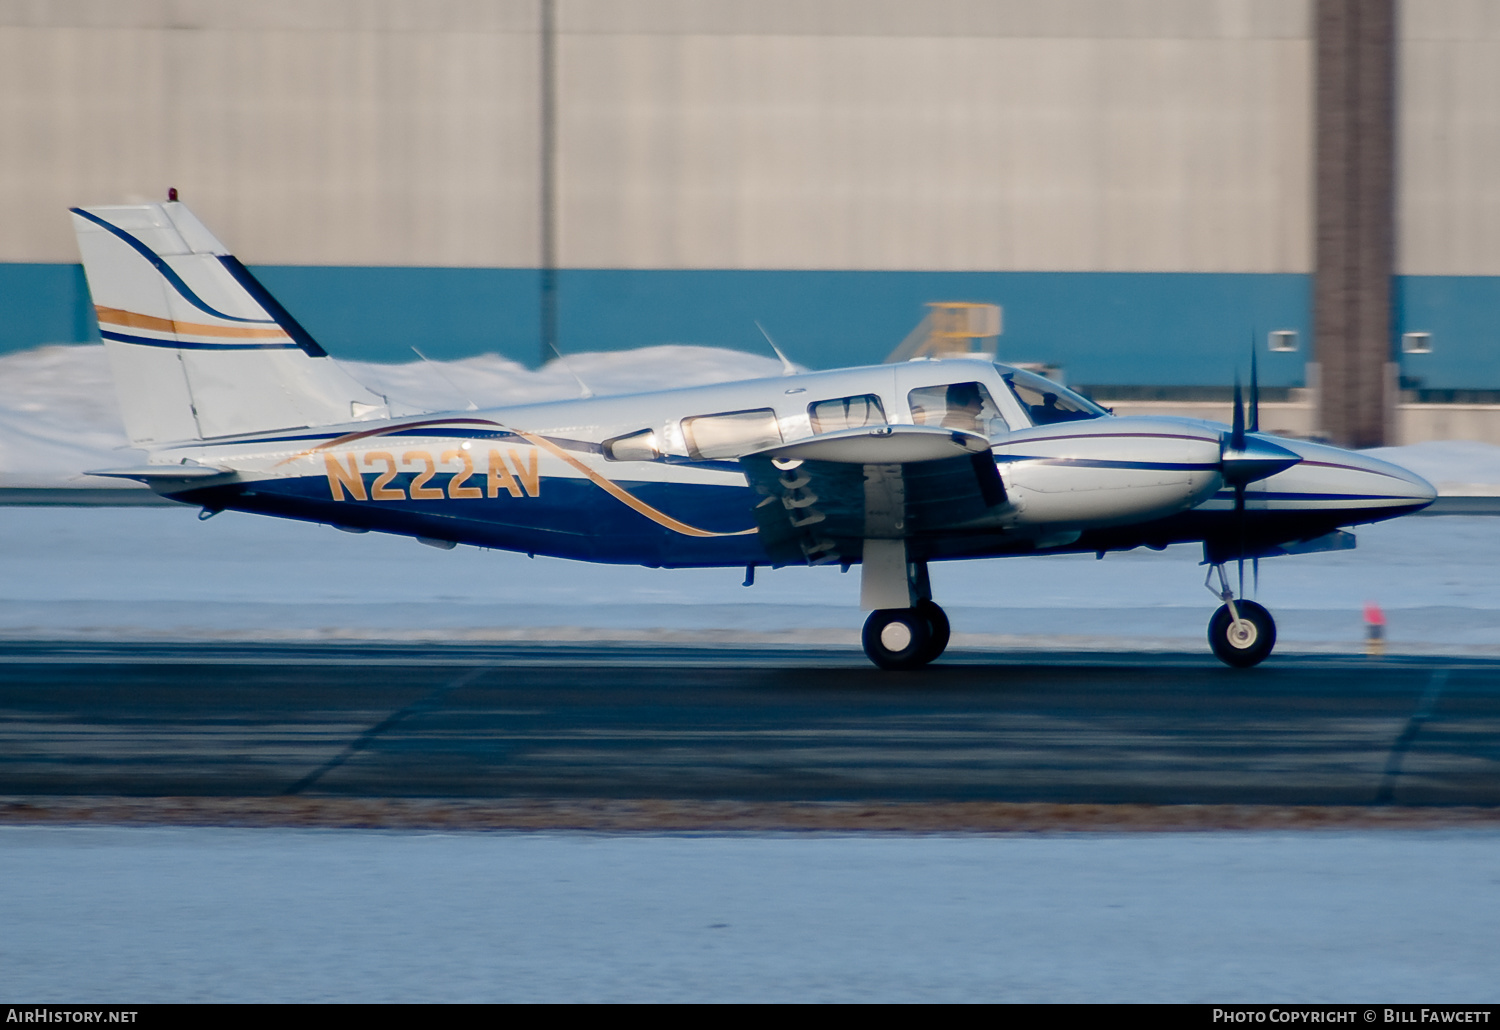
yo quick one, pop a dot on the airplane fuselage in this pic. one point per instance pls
(655, 479)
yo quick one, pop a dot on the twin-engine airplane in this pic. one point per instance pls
(889, 467)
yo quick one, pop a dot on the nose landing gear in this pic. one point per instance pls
(1241, 633)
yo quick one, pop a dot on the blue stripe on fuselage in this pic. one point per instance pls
(569, 518)
(1107, 463)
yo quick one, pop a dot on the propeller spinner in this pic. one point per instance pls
(1244, 458)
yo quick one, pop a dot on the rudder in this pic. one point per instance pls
(198, 347)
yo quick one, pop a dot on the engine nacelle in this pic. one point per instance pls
(1108, 471)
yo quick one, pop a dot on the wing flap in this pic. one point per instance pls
(822, 498)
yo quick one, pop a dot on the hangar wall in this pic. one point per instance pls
(1448, 191)
(1132, 182)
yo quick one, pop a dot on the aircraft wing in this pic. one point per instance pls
(821, 498)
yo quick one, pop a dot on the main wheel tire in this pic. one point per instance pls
(1246, 642)
(899, 638)
(937, 623)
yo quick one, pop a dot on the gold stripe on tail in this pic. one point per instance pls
(133, 320)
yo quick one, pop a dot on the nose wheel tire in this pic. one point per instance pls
(906, 638)
(1243, 642)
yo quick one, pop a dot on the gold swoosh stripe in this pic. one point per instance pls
(132, 320)
(622, 495)
(348, 438)
(617, 492)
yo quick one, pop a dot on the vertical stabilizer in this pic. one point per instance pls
(198, 348)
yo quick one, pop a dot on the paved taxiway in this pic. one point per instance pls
(598, 721)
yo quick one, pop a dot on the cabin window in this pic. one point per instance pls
(964, 406)
(730, 434)
(1045, 402)
(846, 413)
(639, 446)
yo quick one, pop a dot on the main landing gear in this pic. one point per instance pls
(905, 630)
(906, 638)
(1242, 633)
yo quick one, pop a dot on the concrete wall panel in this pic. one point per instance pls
(312, 147)
(955, 134)
(1139, 19)
(1448, 160)
(297, 15)
(807, 151)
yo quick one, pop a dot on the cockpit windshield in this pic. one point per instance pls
(1045, 401)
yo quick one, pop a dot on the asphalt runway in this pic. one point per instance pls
(764, 724)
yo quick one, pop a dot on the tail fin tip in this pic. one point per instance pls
(199, 347)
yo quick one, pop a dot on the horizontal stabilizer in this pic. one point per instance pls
(164, 473)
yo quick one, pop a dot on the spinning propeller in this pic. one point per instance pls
(1245, 459)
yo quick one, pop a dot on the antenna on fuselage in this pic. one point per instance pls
(583, 388)
(469, 401)
(787, 368)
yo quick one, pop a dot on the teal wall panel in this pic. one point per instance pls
(44, 303)
(1115, 328)
(379, 314)
(1462, 312)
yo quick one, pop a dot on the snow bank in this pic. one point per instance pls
(58, 414)
(1455, 467)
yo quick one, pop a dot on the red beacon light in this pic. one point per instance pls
(1374, 630)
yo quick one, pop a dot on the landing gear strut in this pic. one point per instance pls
(906, 638)
(905, 630)
(1242, 633)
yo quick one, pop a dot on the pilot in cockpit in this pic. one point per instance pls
(968, 407)
(965, 406)
(962, 406)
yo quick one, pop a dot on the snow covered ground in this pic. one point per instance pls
(159, 572)
(177, 915)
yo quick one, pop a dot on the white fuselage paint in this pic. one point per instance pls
(1059, 478)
